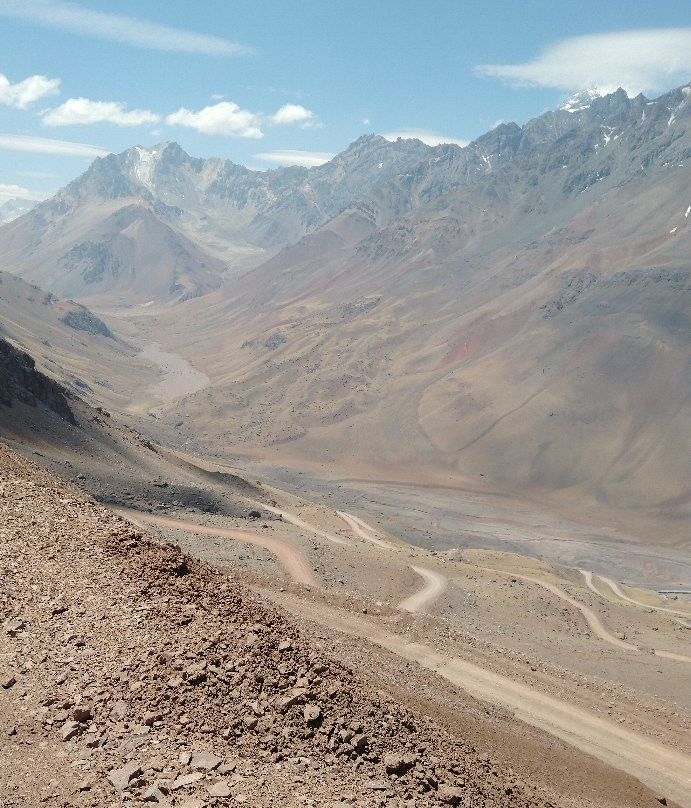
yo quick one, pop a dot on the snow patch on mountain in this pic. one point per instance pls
(145, 164)
(582, 100)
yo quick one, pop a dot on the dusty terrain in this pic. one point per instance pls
(545, 670)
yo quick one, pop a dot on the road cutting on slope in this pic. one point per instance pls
(288, 556)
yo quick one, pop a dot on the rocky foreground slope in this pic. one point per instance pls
(132, 674)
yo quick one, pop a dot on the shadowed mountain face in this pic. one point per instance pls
(20, 382)
(509, 316)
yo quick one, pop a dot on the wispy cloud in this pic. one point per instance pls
(84, 111)
(224, 118)
(39, 175)
(17, 192)
(427, 137)
(294, 157)
(24, 93)
(27, 143)
(293, 114)
(644, 61)
(118, 28)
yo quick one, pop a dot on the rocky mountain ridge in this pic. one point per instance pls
(210, 218)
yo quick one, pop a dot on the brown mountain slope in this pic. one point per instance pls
(71, 344)
(121, 252)
(478, 340)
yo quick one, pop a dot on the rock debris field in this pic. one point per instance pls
(133, 675)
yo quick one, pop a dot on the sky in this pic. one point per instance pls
(267, 83)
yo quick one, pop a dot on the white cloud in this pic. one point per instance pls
(646, 61)
(24, 93)
(292, 113)
(17, 192)
(224, 118)
(293, 157)
(427, 137)
(45, 145)
(118, 28)
(83, 111)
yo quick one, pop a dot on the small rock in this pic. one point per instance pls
(153, 794)
(311, 713)
(186, 780)
(662, 800)
(121, 778)
(205, 761)
(7, 680)
(285, 645)
(450, 795)
(151, 718)
(219, 789)
(120, 709)
(398, 763)
(359, 741)
(84, 785)
(14, 627)
(69, 730)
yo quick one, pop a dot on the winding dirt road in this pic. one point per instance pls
(435, 584)
(591, 618)
(364, 531)
(594, 621)
(614, 586)
(662, 768)
(298, 522)
(289, 557)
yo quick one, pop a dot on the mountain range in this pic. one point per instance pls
(511, 316)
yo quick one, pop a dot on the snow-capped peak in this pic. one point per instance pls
(145, 163)
(582, 100)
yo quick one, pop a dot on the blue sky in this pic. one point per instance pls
(269, 83)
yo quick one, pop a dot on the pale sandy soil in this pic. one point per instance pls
(179, 378)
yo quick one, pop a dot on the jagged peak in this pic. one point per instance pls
(581, 100)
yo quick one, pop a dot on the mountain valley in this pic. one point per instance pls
(383, 464)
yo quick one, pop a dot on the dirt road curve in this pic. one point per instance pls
(298, 522)
(435, 584)
(594, 621)
(364, 531)
(289, 557)
(591, 618)
(660, 767)
(617, 591)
